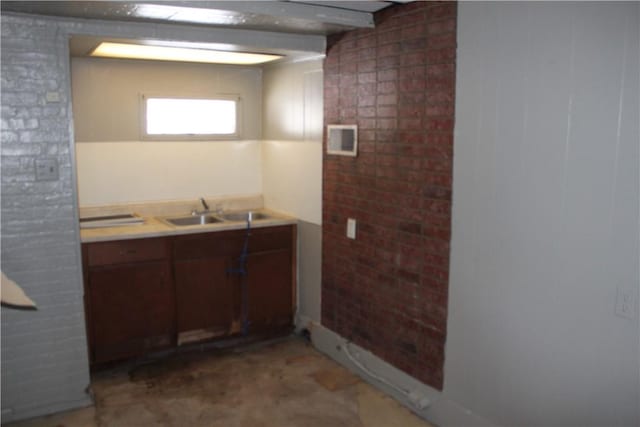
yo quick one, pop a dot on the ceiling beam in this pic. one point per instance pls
(283, 9)
(236, 39)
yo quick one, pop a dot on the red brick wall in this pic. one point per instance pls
(387, 290)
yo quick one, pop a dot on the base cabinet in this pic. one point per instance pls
(230, 283)
(205, 299)
(270, 294)
(129, 298)
(144, 295)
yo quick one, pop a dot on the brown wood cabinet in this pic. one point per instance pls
(270, 279)
(210, 282)
(269, 289)
(146, 294)
(206, 296)
(129, 298)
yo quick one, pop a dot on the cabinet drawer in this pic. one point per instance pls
(270, 238)
(231, 243)
(126, 251)
(202, 245)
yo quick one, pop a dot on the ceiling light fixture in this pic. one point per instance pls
(165, 53)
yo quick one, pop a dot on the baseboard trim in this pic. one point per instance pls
(423, 400)
(25, 413)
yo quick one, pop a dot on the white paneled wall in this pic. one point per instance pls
(545, 214)
(292, 146)
(292, 166)
(115, 166)
(292, 178)
(123, 172)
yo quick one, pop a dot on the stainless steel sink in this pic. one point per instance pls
(193, 220)
(245, 216)
(204, 219)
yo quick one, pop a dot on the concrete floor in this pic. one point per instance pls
(281, 384)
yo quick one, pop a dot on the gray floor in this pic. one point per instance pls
(284, 383)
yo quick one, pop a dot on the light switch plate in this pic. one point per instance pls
(53, 96)
(351, 228)
(47, 169)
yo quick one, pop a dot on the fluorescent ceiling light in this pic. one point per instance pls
(165, 53)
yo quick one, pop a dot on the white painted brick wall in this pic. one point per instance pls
(44, 352)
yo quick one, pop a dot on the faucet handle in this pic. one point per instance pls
(204, 204)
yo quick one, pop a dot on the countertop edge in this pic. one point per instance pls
(153, 227)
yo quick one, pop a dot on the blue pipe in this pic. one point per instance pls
(242, 271)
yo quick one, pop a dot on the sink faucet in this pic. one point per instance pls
(204, 205)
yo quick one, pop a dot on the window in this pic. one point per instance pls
(190, 118)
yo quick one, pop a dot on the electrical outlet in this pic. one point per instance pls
(625, 302)
(351, 228)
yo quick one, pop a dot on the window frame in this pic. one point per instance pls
(189, 136)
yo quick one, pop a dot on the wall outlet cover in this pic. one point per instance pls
(351, 228)
(625, 302)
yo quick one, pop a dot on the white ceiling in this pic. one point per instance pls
(257, 21)
(294, 16)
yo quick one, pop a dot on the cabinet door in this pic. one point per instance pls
(207, 302)
(270, 293)
(131, 309)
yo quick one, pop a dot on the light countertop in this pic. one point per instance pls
(154, 227)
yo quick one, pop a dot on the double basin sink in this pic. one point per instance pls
(204, 219)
